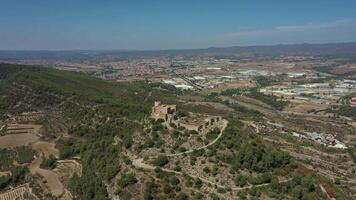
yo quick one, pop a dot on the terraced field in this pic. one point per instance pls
(22, 192)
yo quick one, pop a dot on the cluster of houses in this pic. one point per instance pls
(328, 140)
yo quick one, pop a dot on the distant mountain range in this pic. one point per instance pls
(272, 50)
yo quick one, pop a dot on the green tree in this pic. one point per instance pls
(49, 163)
(241, 181)
(18, 173)
(198, 183)
(161, 160)
(127, 179)
(182, 196)
(4, 181)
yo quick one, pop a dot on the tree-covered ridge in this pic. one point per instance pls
(255, 156)
(102, 118)
(94, 112)
(44, 87)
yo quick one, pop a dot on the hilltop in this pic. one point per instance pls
(87, 138)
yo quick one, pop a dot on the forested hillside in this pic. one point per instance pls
(91, 109)
(106, 126)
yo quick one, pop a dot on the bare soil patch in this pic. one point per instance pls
(304, 107)
(6, 173)
(23, 128)
(51, 178)
(46, 147)
(217, 106)
(344, 69)
(234, 85)
(17, 140)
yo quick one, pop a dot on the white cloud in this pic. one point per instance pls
(333, 31)
(313, 26)
(295, 28)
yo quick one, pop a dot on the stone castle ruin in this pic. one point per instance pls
(197, 122)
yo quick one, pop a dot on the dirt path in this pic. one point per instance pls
(44, 148)
(52, 181)
(205, 146)
(148, 96)
(138, 163)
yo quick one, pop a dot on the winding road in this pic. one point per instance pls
(139, 164)
(205, 146)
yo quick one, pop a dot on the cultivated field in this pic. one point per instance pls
(17, 140)
(27, 135)
(22, 192)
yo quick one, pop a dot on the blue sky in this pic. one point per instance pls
(172, 24)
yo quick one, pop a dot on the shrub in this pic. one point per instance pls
(241, 181)
(161, 160)
(4, 181)
(127, 179)
(49, 163)
(25, 154)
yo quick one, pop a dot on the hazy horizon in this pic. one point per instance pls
(180, 49)
(162, 25)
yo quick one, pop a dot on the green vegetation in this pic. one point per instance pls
(260, 179)
(25, 155)
(167, 87)
(204, 109)
(86, 104)
(125, 195)
(17, 175)
(231, 92)
(127, 179)
(245, 112)
(241, 181)
(49, 87)
(170, 186)
(68, 147)
(300, 187)
(49, 163)
(255, 156)
(182, 196)
(96, 112)
(253, 93)
(101, 163)
(6, 157)
(150, 190)
(212, 134)
(4, 181)
(345, 110)
(198, 183)
(264, 81)
(161, 160)
(268, 99)
(246, 151)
